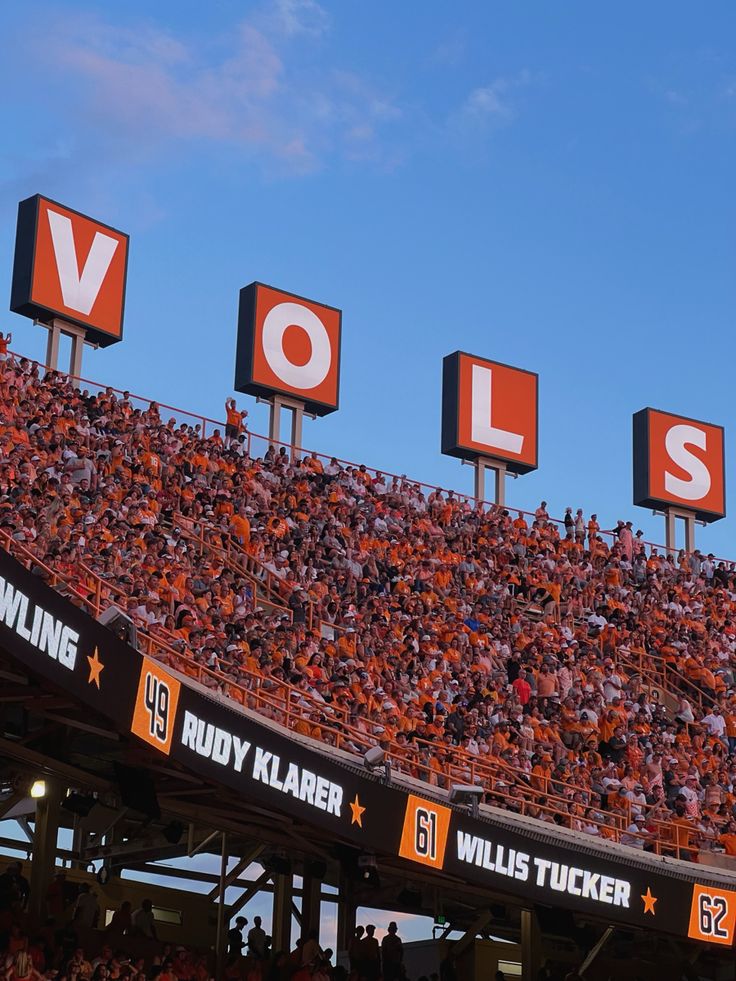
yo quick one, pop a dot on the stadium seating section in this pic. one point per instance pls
(583, 678)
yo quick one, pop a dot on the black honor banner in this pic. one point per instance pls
(214, 739)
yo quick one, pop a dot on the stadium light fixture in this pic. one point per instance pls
(368, 869)
(38, 789)
(374, 759)
(467, 793)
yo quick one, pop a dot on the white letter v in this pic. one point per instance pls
(79, 292)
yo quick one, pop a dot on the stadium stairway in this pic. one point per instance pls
(222, 546)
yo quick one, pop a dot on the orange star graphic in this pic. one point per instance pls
(649, 900)
(358, 810)
(95, 669)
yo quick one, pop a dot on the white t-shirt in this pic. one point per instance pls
(143, 920)
(715, 724)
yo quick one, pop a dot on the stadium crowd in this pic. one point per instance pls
(468, 641)
(74, 945)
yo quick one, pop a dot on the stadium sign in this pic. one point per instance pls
(71, 267)
(48, 634)
(224, 746)
(679, 463)
(288, 346)
(489, 410)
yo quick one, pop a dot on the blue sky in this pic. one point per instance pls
(543, 184)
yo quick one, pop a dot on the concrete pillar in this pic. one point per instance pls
(311, 904)
(45, 834)
(281, 919)
(346, 912)
(531, 945)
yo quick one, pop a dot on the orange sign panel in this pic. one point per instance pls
(69, 266)
(424, 837)
(712, 915)
(489, 409)
(679, 462)
(155, 706)
(288, 345)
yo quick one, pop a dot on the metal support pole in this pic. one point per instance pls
(479, 486)
(530, 945)
(274, 422)
(670, 531)
(202, 844)
(52, 346)
(281, 919)
(297, 416)
(221, 937)
(500, 474)
(670, 524)
(481, 464)
(45, 835)
(690, 533)
(75, 360)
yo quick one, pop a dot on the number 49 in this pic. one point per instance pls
(157, 703)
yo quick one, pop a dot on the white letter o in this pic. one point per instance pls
(303, 376)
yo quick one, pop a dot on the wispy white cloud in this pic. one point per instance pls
(145, 88)
(451, 50)
(495, 100)
(297, 17)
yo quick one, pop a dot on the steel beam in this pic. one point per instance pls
(258, 885)
(595, 951)
(241, 866)
(482, 920)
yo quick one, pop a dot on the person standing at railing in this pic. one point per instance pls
(593, 529)
(234, 422)
(579, 525)
(626, 537)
